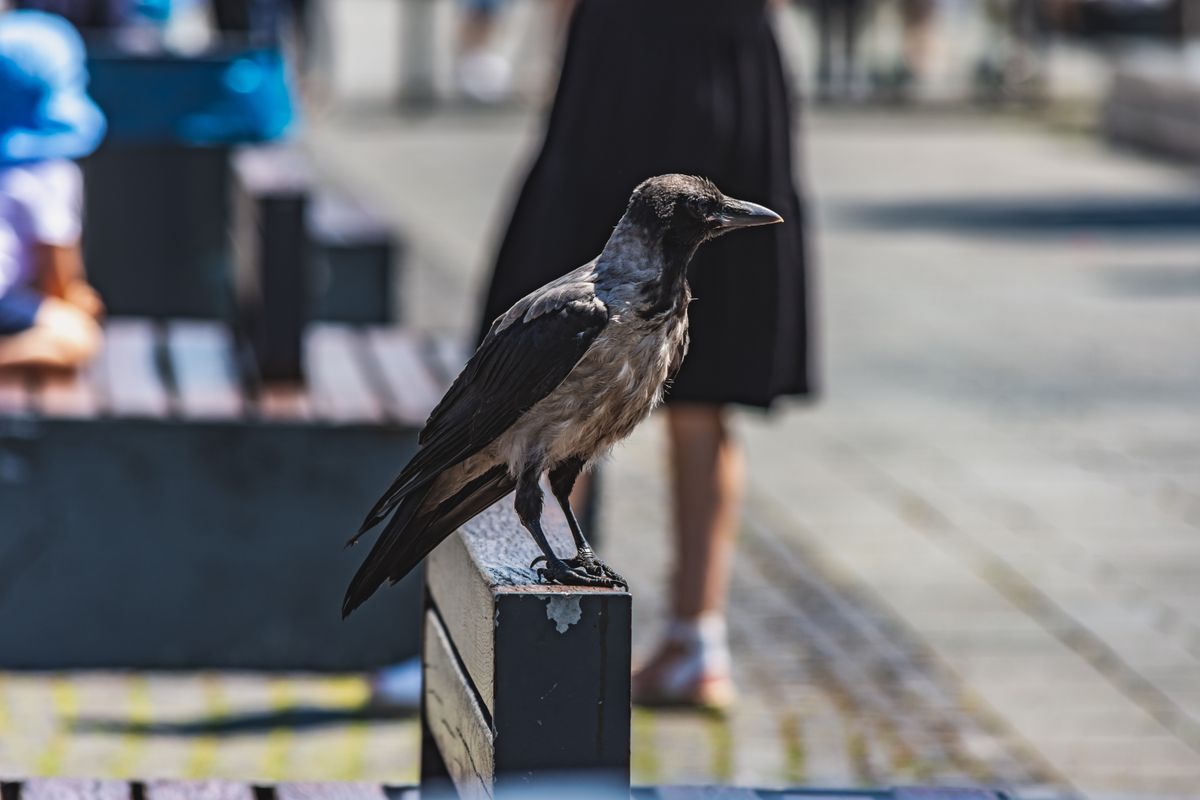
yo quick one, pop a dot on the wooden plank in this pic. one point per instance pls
(463, 595)
(198, 790)
(74, 789)
(284, 402)
(339, 385)
(411, 389)
(464, 572)
(205, 373)
(132, 379)
(565, 711)
(456, 722)
(14, 391)
(330, 791)
(336, 219)
(74, 394)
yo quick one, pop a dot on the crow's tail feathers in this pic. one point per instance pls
(415, 530)
(385, 505)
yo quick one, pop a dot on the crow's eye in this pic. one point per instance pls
(701, 207)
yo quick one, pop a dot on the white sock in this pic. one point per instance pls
(705, 639)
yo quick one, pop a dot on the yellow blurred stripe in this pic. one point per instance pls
(347, 692)
(720, 737)
(203, 753)
(141, 714)
(280, 699)
(644, 758)
(794, 756)
(65, 703)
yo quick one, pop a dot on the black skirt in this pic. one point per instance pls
(693, 86)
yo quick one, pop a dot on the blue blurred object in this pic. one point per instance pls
(156, 10)
(45, 111)
(226, 96)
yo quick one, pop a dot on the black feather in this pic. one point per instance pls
(517, 365)
(414, 531)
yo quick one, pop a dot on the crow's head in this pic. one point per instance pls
(689, 210)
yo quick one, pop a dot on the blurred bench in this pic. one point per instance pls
(300, 256)
(525, 685)
(157, 237)
(160, 511)
(157, 193)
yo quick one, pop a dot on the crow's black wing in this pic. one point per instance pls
(527, 353)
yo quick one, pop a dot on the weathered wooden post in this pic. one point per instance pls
(526, 684)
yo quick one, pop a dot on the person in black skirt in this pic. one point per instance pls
(690, 86)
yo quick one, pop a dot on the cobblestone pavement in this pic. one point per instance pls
(975, 559)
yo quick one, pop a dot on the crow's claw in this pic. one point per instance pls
(534, 563)
(593, 566)
(563, 573)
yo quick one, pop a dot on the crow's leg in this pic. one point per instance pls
(562, 482)
(528, 505)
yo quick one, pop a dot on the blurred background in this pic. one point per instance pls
(975, 558)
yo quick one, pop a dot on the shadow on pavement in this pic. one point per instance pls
(299, 718)
(1113, 216)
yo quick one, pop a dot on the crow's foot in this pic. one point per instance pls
(586, 565)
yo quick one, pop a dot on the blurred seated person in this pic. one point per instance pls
(48, 312)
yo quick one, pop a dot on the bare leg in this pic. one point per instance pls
(62, 337)
(562, 482)
(691, 665)
(707, 470)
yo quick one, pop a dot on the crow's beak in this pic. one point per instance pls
(741, 214)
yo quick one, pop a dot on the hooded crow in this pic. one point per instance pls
(562, 376)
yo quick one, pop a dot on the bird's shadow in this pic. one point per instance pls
(297, 718)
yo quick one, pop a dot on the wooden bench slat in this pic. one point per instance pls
(205, 373)
(329, 791)
(74, 394)
(339, 387)
(14, 391)
(198, 790)
(413, 389)
(284, 402)
(75, 789)
(133, 383)
(456, 722)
